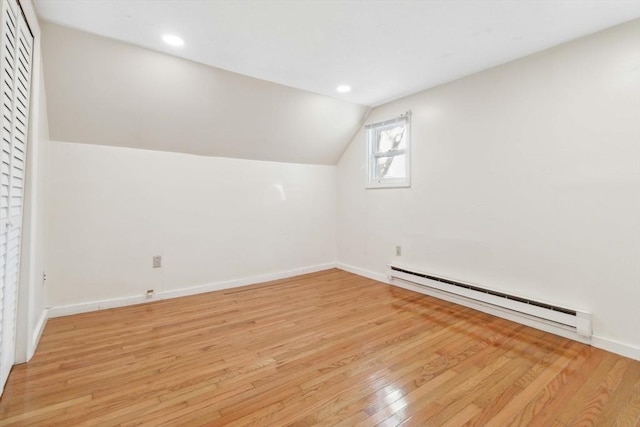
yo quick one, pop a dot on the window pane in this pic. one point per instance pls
(391, 167)
(390, 139)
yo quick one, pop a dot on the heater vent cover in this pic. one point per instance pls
(560, 317)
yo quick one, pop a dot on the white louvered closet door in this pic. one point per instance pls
(15, 82)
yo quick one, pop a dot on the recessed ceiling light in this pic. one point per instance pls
(343, 88)
(172, 40)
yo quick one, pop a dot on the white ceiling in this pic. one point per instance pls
(384, 49)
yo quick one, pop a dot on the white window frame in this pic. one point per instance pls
(372, 155)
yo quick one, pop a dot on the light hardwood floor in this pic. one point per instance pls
(327, 348)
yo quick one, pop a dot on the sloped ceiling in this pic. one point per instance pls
(105, 91)
(102, 91)
(384, 49)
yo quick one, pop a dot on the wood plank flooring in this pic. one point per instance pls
(328, 348)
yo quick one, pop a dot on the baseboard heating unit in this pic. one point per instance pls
(559, 320)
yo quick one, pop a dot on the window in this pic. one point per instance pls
(388, 155)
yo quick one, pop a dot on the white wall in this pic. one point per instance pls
(32, 313)
(214, 221)
(526, 179)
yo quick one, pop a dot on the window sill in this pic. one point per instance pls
(373, 186)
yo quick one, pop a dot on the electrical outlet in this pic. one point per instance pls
(157, 261)
(398, 250)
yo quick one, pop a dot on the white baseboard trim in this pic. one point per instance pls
(245, 281)
(612, 346)
(85, 307)
(37, 333)
(622, 349)
(362, 272)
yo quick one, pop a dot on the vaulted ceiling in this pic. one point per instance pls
(262, 84)
(384, 49)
